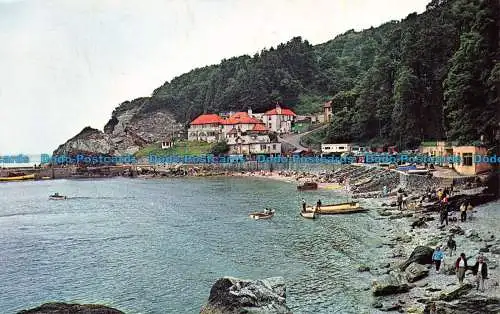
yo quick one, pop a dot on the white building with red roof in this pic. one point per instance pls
(279, 119)
(206, 127)
(251, 137)
(243, 133)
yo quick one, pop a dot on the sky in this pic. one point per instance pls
(66, 64)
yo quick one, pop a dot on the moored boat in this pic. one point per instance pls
(57, 197)
(309, 215)
(307, 186)
(18, 178)
(262, 215)
(341, 208)
(418, 171)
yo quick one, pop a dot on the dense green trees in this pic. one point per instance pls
(430, 76)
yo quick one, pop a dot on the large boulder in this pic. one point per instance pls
(390, 284)
(456, 293)
(64, 308)
(467, 305)
(421, 255)
(231, 295)
(416, 272)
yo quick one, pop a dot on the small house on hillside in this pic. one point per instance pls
(327, 111)
(167, 143)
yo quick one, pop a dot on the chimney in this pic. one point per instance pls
(278, 108)
(250, 112)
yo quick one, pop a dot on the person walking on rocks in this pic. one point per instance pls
(480, 270)
(400, 199)
(461, 267)
(443, 215)
(470, 209)
(437, 257)
(452, 245)
(463, 212)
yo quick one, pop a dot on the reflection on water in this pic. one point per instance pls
(157, 246)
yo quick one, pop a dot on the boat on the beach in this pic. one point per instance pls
(262, 215)
(57, 197)
(307, 186)
(309, 215)
(341, 208)
(418, 171)
(18, 178)
(363, 182)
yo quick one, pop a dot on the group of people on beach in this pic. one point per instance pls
(465, 208)
(479, 270)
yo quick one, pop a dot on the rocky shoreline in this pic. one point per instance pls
(406, 281)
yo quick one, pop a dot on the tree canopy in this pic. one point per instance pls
(429, 76)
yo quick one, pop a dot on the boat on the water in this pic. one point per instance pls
(341, 208)
(307, 186)
(57, 197)
(18, 178)
(262, 215)
(309, 215)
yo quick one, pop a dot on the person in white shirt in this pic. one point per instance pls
(461, 267)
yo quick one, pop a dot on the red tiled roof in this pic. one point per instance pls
(259, 128)
(207, 119)
(241, 118)
(327, 104)
(284, 112)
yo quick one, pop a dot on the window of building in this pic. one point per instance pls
(262, 147)
(274, 146)
(467, 159)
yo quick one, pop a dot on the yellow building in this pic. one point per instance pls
(469, 161)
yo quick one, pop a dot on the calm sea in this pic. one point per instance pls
(157, 246)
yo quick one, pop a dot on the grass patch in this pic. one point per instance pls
(310, 104)
(180, 148)
(314, 140)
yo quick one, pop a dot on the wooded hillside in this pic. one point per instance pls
(431, 76)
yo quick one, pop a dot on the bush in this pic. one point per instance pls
(219, 148)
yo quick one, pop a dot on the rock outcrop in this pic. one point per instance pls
(231, 295)
(133, 125)
(138, 123)
(64, 308)
(88, 142)
(416, 272)
(392, 283)
(467, 305)
(421, 255)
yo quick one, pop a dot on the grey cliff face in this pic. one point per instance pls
(133, 125)
(88, 141)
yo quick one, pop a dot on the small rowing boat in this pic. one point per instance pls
(262, 215)
(57, 197)
(307, 186)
